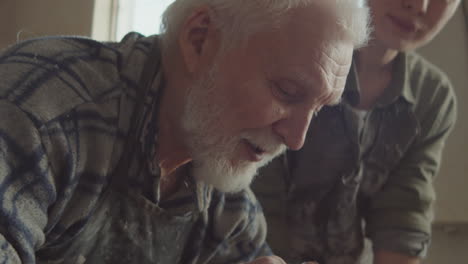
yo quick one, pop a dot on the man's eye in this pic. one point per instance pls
(286, 91)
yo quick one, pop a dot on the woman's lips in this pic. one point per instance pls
(404, 25)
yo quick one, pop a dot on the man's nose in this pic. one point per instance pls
(417, 7)
(293, 129)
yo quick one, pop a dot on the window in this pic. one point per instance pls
(143, 16)
(115, 18)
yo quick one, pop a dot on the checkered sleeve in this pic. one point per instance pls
(26, 186)
(43, 83)
(60, 108)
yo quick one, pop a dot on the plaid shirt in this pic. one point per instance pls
(66, 106)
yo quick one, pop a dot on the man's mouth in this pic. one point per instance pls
(255, 152)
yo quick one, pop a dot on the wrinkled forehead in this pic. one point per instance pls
(325, 61)
(310, 55)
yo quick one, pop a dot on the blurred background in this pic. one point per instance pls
(110, 20)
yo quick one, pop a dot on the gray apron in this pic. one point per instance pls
(125, 228)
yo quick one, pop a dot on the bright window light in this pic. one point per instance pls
(143, 16)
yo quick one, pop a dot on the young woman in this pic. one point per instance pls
(367, 165)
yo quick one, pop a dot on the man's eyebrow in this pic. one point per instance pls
(304, 80)
(308, 82)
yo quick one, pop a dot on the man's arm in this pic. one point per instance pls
(26, 186)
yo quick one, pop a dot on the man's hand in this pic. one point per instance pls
(273, 260)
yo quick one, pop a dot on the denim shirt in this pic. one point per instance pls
(363, 174)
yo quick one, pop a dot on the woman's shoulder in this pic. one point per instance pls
(421, 70)
(428, 82)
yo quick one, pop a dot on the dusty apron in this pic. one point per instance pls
(126, 227)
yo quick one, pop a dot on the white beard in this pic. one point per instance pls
(214, 153)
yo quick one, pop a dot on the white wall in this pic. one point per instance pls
(449, 245)
(7, 22)
(104, 22)
(34, 18)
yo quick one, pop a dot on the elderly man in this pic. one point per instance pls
(142, 151)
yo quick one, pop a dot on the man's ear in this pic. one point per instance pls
(198, 39)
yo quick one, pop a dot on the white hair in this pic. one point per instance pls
(237, 19)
